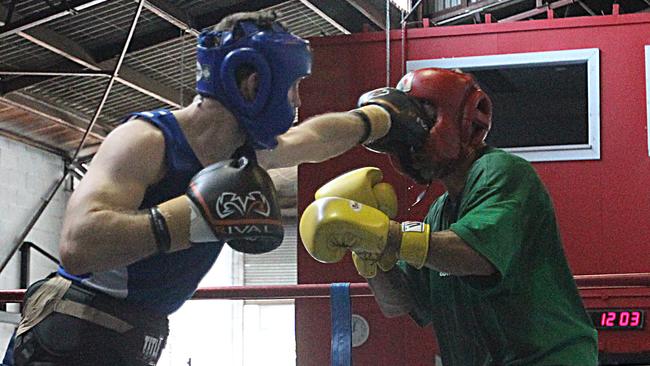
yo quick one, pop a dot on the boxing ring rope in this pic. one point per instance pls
(307, 291)
(361, 289)
(340, 295)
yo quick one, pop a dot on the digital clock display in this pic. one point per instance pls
(618, 318)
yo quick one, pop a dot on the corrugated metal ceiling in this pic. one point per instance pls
(21, 54)
(170, 62)
(106, 23)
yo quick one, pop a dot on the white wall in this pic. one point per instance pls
(26, 176)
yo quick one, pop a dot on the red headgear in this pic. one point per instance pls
(463, 110)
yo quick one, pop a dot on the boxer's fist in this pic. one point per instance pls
(365, 186)
(235, 201)
(409, 125)
(330, 226)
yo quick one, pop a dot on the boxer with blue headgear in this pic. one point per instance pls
(169, 189)
(278, 57)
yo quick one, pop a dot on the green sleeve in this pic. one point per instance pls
(495, 214)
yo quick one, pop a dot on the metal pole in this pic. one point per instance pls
(24, 265)
(111, 81)
(31, 223)
(387, 42)
(412, 10)
(403, 24)
(42, 251)
(56, 186)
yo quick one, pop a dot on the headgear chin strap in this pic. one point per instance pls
(279, 58)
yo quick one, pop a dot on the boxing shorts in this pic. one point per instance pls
(66, 324)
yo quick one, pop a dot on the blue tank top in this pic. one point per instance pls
(163, 282)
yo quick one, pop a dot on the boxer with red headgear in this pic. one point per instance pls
(462, 113)
(486, 266)
(455, 112)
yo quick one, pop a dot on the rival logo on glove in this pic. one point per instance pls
(235, 206)
(230, 204)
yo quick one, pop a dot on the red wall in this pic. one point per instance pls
(603, 206)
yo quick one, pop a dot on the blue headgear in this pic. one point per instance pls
(279, 57)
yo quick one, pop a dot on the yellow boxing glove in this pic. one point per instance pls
(330, 226)
(365, 186)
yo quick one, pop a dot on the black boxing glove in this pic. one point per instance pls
(237, 202)
(409, 126)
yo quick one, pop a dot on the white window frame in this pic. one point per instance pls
(647, 92)
(589, 151)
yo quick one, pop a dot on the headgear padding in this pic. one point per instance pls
(280, 59)
(463, 110)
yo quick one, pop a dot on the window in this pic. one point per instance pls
(546, 104)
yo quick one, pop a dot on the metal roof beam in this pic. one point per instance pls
(71, 50)
(468, 11)
(74, 52)
(24, 23)
(31, 142)
(52, 112)
(586, 8)
(211, 17)
(537, 11)
(11, 84)
(370, 12)
(172, 14)
(321, 14)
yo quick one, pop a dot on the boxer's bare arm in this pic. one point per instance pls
(103, 228)
(316, 139)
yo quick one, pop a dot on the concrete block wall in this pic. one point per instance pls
(26, 176)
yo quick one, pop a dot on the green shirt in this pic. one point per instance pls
(529, 312)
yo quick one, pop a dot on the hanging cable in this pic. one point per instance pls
(387, 42)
